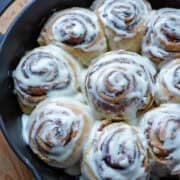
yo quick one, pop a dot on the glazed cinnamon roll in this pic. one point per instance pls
(78, 31)
(124, 22)
(120, 83)
(42, 72)
(115, 151)
(168, 83)
(162, 38)
(162, 129)
(58, 128)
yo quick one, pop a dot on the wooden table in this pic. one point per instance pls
(11, 168)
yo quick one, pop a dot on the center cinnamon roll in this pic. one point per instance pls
(120, 83)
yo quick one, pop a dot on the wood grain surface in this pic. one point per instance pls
(11, 13)
(11, 168)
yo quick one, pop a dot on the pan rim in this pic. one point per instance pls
(24, 160)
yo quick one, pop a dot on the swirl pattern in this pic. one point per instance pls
(168, 83)
(162, 39)
(124, 21)
(78, 31)
(162, 129)
(57, 130)
(45, 71)
(115, 151)
(120, 83)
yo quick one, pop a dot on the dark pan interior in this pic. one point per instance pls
(20, 38)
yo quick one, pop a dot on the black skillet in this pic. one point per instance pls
(20, 37)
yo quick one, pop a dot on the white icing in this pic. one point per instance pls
(122, 70)
(155, 42)
(168, 82)
(122, 143)
(79, 97)
(163, 124)
(114, 15)
(78, 22)
(25, 130)
(118, 81)
(59, 68)
(66, 116)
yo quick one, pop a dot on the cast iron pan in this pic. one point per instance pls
(20, 37)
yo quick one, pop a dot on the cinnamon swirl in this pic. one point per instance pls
(124, 22)
(162, 129)
(115, 151)
(58, 128)
(120, 83)
(167, 87)
(78, 31)
(45, 71)
(162, 38)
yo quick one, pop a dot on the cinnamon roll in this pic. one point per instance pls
(162, 129)
(115, 151)
(162, 38)
(45, 71)
(78, 31)
(124, 22)
(120, 83)
(58, 128)
(168, 83)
